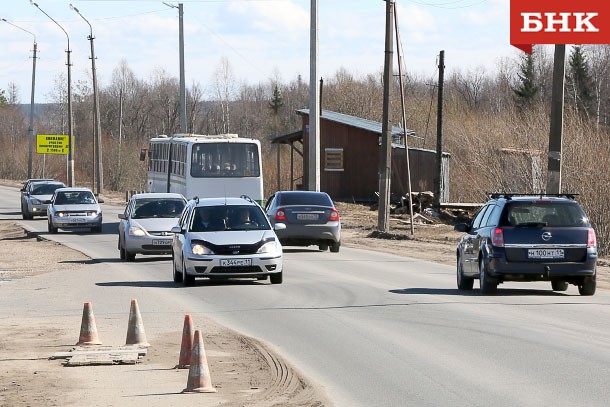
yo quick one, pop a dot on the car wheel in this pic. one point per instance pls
(177, 275)
(323, 247)
(587, 286)
(334, 247)
(463, 283)
(276, 278)
(187, 279)
(129, 256)
(50, 227)
(121, 250)
(487, 284)
(559, 285)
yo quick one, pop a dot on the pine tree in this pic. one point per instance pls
(276, 101)
(579, 81)
(528, 88)
(3, 100)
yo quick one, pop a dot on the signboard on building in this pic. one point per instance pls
(52, 144)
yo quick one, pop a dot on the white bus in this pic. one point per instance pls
(206, 166)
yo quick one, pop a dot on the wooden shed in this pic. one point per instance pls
(349, 158)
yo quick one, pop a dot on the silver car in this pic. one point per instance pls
(146, 223)
(221, 238)
(36, 198)
(310, 218)
(74, 208)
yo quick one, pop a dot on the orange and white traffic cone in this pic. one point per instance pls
(135, 328)
(187, 343)
(199, 380)
(88, 330)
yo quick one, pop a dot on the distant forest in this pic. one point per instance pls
(495, 124)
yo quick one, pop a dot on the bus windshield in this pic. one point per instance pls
(215, 160)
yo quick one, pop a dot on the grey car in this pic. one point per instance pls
(36, 197)
(146, 223)
(74, 208)
(310, 218)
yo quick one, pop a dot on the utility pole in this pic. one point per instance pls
(31, 125)
(182, 97)
(385, 158)
(404, 119)
(438, 180)
(97, 128)
(314, 100)
(553, 182)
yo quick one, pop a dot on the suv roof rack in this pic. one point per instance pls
(510, 195)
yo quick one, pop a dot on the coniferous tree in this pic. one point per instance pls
(2, 98)
(276, 100)
(579, 81)
(527, 89)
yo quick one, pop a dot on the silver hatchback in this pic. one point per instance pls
(146, 223)
(74, 208)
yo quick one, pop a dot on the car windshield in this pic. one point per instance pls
(45, 189)
(157, 208)
(75, 198)
(229, 218)
(305, 198)
(544, 213)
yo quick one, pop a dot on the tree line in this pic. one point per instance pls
(495, 123)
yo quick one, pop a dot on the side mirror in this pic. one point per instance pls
(176, 229)
(279, 226)
(461, 227)
(100, 199)
(121, 216)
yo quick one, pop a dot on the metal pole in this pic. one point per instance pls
(70, 170)
(97, 129)
(385, 158)
(438, 180)
(553, 182)
(314, 100)
(183, 128)
(31, 124)
(404, 119)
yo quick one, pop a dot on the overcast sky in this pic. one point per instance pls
(260, 38)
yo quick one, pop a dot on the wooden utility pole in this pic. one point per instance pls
(553, 181)
(438, 180)
(385, 159)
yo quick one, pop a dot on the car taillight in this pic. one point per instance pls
(591, 238)
(280, 214)
(334, 215)
(497, 239)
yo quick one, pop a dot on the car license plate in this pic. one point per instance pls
(545, 253)
(77, 220)
(235, 262)
(308, 216)
(159, 242)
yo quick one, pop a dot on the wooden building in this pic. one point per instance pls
(349, 159)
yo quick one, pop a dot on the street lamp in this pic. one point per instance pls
(97, 129)
(182, 85)
(31, 126)
(70, 140)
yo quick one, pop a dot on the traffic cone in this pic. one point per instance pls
(187, 343)
(135, 329)
(199, 380)
(88, 330)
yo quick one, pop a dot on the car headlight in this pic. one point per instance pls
(136, 231)
(60, 214)
(199, 249)
(36, 202)
(92, 213)
(268, 247)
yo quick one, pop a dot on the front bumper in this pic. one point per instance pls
(75, 222)
(37, 210)
(148, 244)
(210, 266)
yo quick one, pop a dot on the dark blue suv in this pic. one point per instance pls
(520, 237)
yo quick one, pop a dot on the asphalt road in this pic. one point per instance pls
(382, 330)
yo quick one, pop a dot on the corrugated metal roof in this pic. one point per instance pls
(365, 124)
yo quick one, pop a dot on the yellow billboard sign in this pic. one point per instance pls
(52, 144)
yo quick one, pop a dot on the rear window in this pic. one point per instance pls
(305, 199)
(545, 213)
